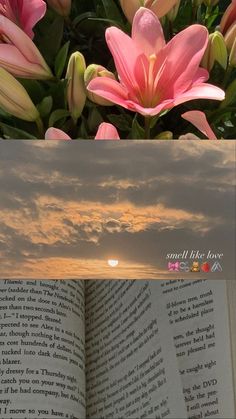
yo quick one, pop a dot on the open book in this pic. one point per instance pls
(117, 349)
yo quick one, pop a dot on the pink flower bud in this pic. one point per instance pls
(159, 7)
(228, 18)
(230, 40)
(62, 7)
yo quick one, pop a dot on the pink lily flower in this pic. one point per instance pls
(155, 76)
(105, 132)
(198, 119)
(19, 55)
(24, 13)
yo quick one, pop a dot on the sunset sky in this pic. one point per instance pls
(68, 207)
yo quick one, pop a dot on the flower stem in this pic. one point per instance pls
(147, 127)
(40, 127)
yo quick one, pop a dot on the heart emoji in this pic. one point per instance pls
(205, 267)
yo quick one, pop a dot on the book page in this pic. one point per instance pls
(198, 314)
(231, 294)
(42, 358)
(131, 368)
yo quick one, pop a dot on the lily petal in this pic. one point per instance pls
(183, 55)
(125, 54)
(201, 91)
(107, 132)
(32, 12)
(56, 134)
(167, 104)
(201, 76)
(16, 37)
(12, 60)
(24, 13)
(109, 89)
(198, 119)
(147, 32)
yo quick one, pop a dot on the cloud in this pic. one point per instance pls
(80, 203)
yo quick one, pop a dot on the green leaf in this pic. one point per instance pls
(138, 132)
(94, 119)
(57, 115)
(154, 120)
(61, 60)
(15, 133)
(58, 93)
(110, 21)
(112, 11)
(50, 38)
(45, 106)
(83, 133)
(82, 17)
(34, 88)
(122, 122)
(213, 16)
(230, 95)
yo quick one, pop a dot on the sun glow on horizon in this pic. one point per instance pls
(113, 263)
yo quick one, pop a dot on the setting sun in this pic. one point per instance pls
(113, 262)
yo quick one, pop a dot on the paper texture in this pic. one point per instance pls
(131, 364)
(231, 288)
(117, 349)
(42, 349)
(198, 314)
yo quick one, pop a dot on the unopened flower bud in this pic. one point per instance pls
(14, 99)
(232, 55)
(228, 18)
(230, 95)
(62, 7)
(160, 8)
(91, 72)
(76, 93)
(171, 15)
(230, 40)
(216, 51)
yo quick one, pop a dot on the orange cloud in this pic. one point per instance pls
(56, 219)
